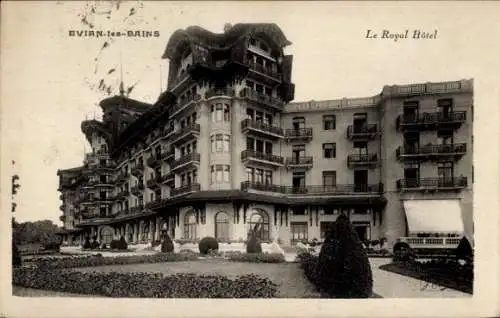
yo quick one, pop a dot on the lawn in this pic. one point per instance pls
(289, 276)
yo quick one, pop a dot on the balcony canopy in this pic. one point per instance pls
(434, 216)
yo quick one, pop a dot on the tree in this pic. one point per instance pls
(42, 232)
(343, 267)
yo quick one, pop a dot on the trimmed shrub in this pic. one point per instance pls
(253, 244)
(147, 285)
(92, 260)
(403, 253)
(16, 256)
(464, 250)
(114, 244)
(167, 246)
(94, 245)
(256, 257)
(122, 244)
(343, 269)
(86, 244)
(208, 244)
(309, 264)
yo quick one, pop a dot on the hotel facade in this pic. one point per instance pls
(225, 148)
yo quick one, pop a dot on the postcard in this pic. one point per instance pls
(242, 158)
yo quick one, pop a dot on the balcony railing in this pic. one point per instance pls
(225, 91)
(137, 188)
(365, 132)
(431, 151)
(431, 242)
(299, 162)
(263, 70)
(183, 190)
(344, 189)
(137, 170)
(121, 177)
(431, 120)
(122, 195)
(190, 158)
(155, 160)
(136, 209)
(305, 134)
(185, 103)
(428, 184)
(362, 160)
(261, 128)
(261, 98)
(247, 155)
(187, 132)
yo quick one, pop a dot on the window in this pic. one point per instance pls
(324, 228)
(268, 177)
(226, 113)
(329, 150)
(298, 123)
(220, 174)
(190, 226)
(220, 143)
(106, 235)
(445, 171)
(259, 175)
(298, 151)
(299, 231)
(145, 232)
(329, 178)
(445, 137)
(222, 226)
(250, 174)
(328, 122)
(299, 181)
(250, 143)
(259, 224)
(361, 147)
(226, 143)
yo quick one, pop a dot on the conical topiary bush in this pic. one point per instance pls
(343, 267)
(167, 246)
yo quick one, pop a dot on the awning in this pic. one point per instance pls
(434, 216)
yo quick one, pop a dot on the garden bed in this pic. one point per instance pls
(442, 273)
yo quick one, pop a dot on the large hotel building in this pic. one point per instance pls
(225, 148)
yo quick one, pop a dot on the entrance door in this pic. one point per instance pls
(361, 180)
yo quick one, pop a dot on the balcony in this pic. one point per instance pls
(170, 155)
(184, 190)
(121, 177)
(431, 242)
(432, 184)
(189, 160)
(137, 189)
(362, 160)
(155, 160)
(302, 134)
(185, 104)
(62, 207)
(122, 195)
(153, 183)
(62, 218)
(250, 156)
(430, 121)
(137, 170)
(362, 132)
(220, 92)
(168, 178)
(261, 129)
(261, 71)
(153, 204)
(431, 152)
(301, 163)
(261, 98)
(315, 190)
(136, 209)
(184, 134)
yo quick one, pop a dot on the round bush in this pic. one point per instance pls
(86, 244)
(253, 245)
(343, 269)
(402, 253)
(208, 244)
(464, 250)
(122, 244)
(167, 246)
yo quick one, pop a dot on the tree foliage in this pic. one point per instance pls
(41, 232)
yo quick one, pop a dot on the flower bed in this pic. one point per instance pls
(255, 257)
(94, 260)
(150, 285)
(445, 273)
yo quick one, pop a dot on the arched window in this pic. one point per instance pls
(222, 226)
(106, 235)
(190, 226)
(259, 224)
(130, 233)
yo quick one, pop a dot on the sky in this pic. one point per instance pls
(50, 80)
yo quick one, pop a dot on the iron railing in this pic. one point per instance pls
(251, 154)
(314, 189)
(248, 123)
(194, 187)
